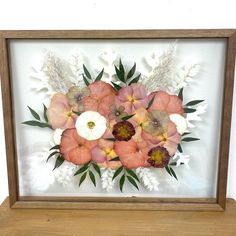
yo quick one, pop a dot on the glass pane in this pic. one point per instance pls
(196, 64)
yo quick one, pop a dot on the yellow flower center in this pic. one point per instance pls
(91, 124)
(131, 98)
(123, 132)
(110, 152)
(157, 156)
(164, 137)
(69, 113)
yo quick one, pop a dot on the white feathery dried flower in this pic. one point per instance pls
(106, 179)
(148, 179)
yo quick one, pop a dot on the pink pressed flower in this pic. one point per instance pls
(168, 140)
(165, 102)
(103, 154)
(74, 148)
(102, 96)
(132, 97)
(60, 114)
(131, 154)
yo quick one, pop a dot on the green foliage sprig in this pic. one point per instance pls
(86, 169)
(125, 78)
(38, 121)
(128, 174)
(88, 78)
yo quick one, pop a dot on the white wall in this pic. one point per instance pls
(122, 14)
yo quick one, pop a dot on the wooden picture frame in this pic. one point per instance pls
(114, 203)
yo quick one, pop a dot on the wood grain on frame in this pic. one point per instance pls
(16, 201)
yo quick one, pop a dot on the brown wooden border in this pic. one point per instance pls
(132, 203)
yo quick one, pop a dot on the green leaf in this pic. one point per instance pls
(133, 174)
(115, 159)
(52, 154)
(92, 177)
(186, 133)
(173, 163)
(120, 75)
(173, 173)
(127, 117)
(37, 123)
(45, 113)
(131, 72)
(189, 139)
(180, 95)
(77, 113)
(110, 139)
(34, 113)
(122, 181)
(83, 177)
(195, 102)
(121, 69)
(86, 72)
(180, 148)
(85, 80)
(82, 169)
(59, 162)
(55, 147)
(99, 75)
(97, 168)
(168, 170)
(189, 110)
(135, 80)
(150, 102)
(116, 86)
(117, 172)
(132, 181)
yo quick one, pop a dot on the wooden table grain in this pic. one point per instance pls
(29, 222)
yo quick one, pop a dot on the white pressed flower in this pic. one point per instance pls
(106, 179)
(148, 179)
(108, 58)
(57, 136)
(180, 122)
(195, 116)
(91, 125)
(182, 159)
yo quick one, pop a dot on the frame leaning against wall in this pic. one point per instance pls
(131, 203)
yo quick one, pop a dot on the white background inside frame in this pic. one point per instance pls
(198, 181)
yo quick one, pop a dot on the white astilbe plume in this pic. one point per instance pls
(54, 74)
(195, 116)
(64, 175)
(106, 179)
(148, 179)
(162, 69)
(108, 58)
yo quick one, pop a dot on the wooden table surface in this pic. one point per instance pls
(29, 222)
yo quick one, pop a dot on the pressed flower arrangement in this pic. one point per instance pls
(118, 128)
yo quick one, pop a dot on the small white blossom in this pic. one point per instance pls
(182, 159)
(57, 136)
